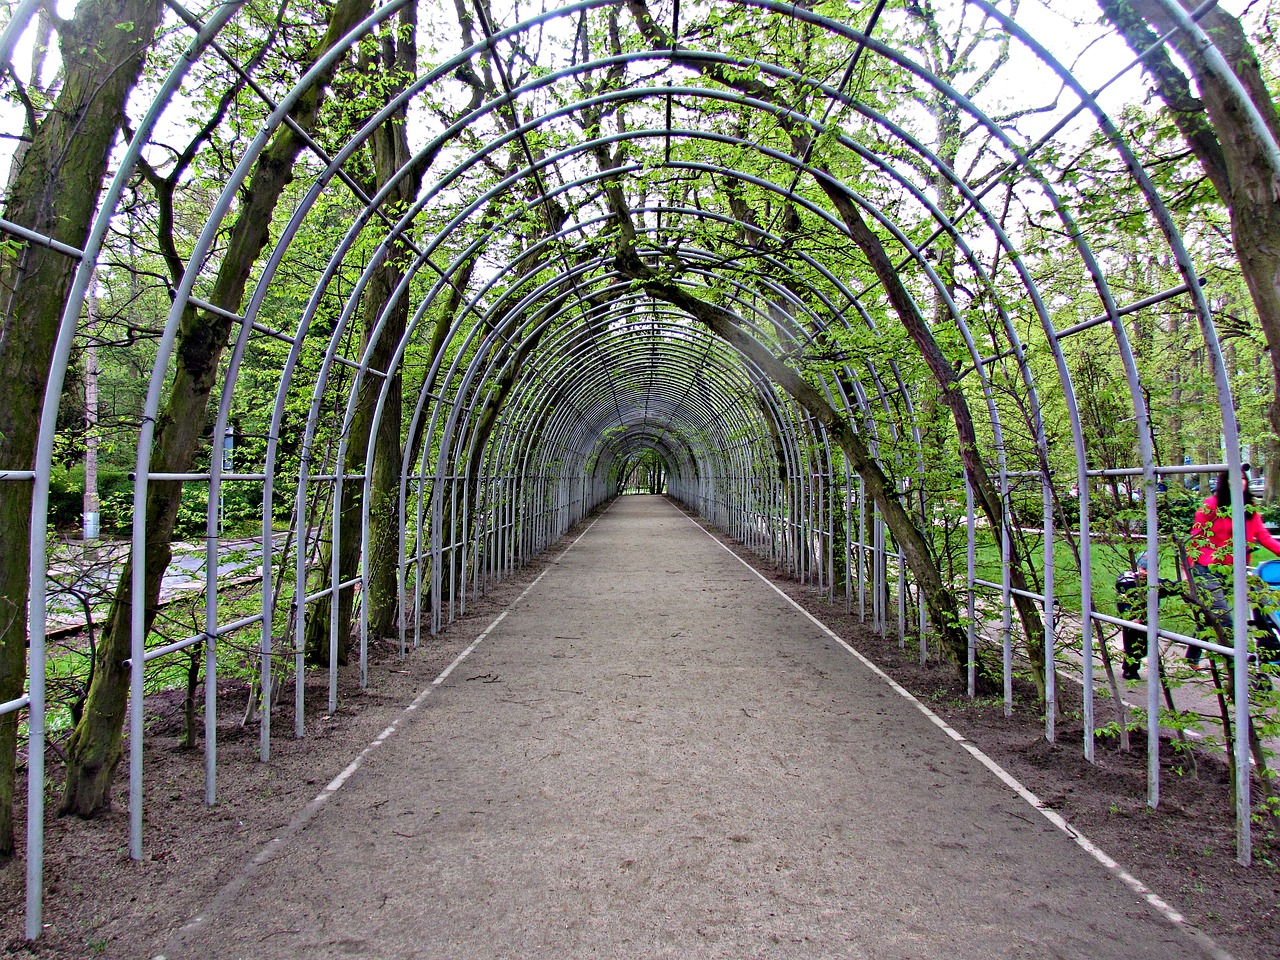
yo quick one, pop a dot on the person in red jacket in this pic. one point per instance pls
(1211, 536)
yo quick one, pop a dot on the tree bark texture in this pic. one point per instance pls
(54, 191)
(395, 61)
(95, 746)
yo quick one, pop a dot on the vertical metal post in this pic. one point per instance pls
(1050, 620)
(848, 542)
(862, 547)
(902, 599)
(1006, 596)
(1240, 620)
(300, 594)
(1153, 646)
(335, 578)
(36, 721)
(970, 564)
(137, 667)
(1086, 610)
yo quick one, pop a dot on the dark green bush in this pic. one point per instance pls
(66, 495)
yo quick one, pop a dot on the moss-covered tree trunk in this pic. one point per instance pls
(390, 69)
(54, 191)
(986, 493)
(95, 746)
(384, 485)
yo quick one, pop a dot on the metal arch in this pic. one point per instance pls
(635, 134)
(598, 410)
(566, 402)
(795, 470)
(226, 12)
(677, 412)
(403, 284)
(38, 604)
(1098, 277)
(696, 355)
(549, 283)
(474, 206)
(582, 269)
(1231, 437)
(442, 458)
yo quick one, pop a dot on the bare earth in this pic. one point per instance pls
(652, 755)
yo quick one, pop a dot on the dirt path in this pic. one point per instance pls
(654, 755)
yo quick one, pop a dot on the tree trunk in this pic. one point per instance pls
(389, 146)
(941, 604)
(94, 748)
(54, 192)
(384, 484)
(986, 494)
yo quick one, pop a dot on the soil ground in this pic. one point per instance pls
(650, 756)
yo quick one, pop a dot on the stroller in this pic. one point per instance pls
(1128, 599)
(1267, 624)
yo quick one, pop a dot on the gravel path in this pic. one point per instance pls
(654, 755)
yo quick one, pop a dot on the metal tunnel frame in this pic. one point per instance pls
(598, 373)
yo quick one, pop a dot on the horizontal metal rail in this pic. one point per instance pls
(194, 639)
(320, 594)
(202, 477)
(1166, 634)
(40, 239)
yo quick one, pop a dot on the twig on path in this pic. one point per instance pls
(276, 933)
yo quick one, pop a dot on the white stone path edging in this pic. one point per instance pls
(1133, 883)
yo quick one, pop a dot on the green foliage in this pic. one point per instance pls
(66, 493)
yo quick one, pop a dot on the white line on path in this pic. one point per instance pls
(224, 896)
(1205, 942)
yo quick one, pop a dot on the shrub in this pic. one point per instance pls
(66, 495)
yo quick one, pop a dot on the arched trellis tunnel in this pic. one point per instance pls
(854, 307)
